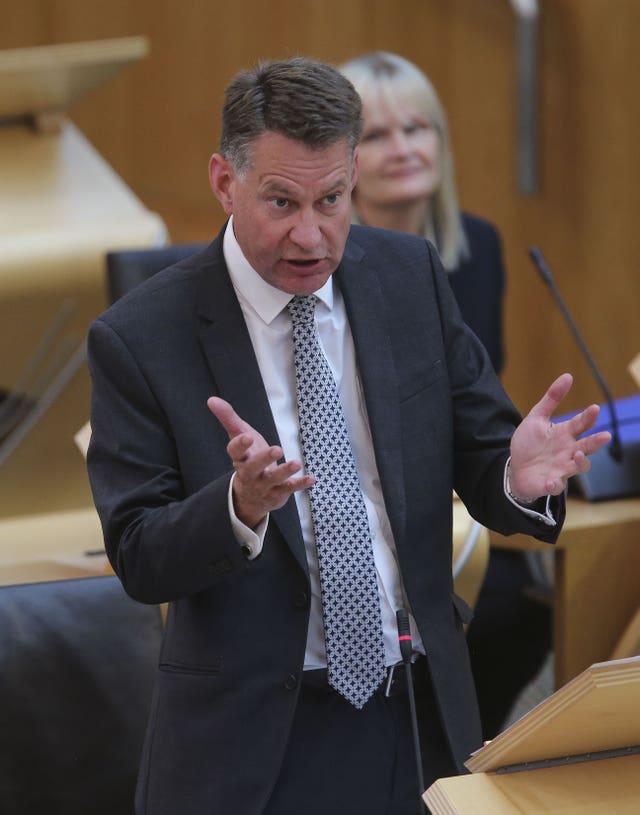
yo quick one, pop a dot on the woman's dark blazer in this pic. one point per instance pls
(478, 283)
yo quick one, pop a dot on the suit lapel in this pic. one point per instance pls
(366, 310)
(229, 352)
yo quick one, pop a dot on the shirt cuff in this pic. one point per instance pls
(545, 516)
(250, 540)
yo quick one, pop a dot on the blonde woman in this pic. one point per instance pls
(406, 182)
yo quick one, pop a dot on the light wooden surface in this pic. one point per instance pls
(595, 712)
(610, 787)
(629, 643)
(63, 207)
(597, 580)
(54, 77)
(51, 546)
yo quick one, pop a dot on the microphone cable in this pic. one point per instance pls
(406, 648)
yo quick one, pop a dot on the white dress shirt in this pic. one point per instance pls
(269, 325)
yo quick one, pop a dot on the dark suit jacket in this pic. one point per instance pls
(235, 637)
(478, 283)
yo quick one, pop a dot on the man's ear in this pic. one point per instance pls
(354, 169)
(221, 178)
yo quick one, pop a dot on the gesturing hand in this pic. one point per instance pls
(545, 455)
(261, 484)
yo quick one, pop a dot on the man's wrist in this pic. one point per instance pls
(526, 502)
(250, 539)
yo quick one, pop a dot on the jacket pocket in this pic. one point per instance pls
(209, 669)
(420, 380)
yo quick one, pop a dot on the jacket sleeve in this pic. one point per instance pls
(484, 419)
(162, 542)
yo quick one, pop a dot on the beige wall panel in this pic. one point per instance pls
(158, 122)
(19, 23)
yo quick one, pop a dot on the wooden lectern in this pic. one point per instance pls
(577, 753)
(63, 207)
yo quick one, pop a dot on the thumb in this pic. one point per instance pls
(227, 416)
(556, 392)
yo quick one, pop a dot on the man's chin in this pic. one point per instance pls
(301, 279)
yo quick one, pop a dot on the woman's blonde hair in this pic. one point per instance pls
(381, 73)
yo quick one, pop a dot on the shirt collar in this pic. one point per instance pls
(266, 300)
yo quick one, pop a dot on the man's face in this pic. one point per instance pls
(291, 209)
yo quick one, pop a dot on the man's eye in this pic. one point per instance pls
(280, 203)
(333, 198)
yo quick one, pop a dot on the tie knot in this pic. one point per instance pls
(302, 308)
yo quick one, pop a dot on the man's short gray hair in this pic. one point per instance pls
(303, 99)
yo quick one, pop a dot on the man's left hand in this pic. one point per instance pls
(545, 455)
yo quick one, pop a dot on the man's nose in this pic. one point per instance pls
(306, 232)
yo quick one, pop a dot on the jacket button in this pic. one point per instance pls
(301, 600)
(291, 682)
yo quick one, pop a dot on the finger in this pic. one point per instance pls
(250, 461)
(583, 421)
(270, 492)
(279, 474)
(247, 445)
(591, 444)
(556, 486)
(556, 392)
(227, 416)
(304, 482)
(278, 492)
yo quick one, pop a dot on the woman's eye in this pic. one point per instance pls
(415, 127)
(373, 135)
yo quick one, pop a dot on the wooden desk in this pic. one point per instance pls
(63, 207)
(51, 546)
(570, 790)
(572, 754)
(597, 580)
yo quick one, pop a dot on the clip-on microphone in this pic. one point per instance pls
(406, 648)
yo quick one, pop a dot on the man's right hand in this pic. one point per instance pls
(261, 484)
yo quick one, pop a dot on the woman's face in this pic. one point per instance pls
(399, 154)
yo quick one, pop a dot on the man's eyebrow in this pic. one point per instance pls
(276, 186)
(341, 184)
(338, 186)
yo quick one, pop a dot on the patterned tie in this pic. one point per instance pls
(350, 600)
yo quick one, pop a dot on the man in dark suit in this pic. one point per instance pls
(196, 467)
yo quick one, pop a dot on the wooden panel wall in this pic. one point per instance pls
(158, 122)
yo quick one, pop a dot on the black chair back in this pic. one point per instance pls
(127, 268)
(77, 665)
